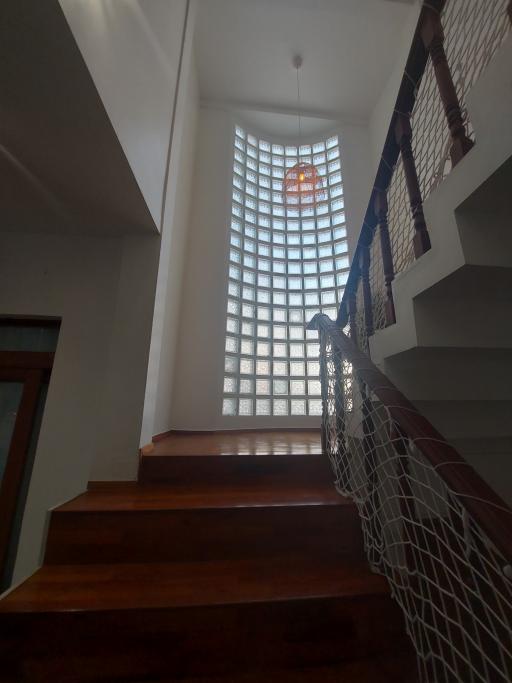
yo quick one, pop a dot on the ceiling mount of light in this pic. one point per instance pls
(302, 186)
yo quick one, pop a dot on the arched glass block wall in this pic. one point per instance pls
(285, 265)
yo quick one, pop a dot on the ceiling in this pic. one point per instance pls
(244, 51)
(62, 166)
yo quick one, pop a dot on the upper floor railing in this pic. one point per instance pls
(429, 133)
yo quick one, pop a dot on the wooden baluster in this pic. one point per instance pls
(367, 290)
(381, 211)
(433, 38)
(352, 316)
(403, 134)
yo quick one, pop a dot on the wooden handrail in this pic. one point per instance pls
(484, 505)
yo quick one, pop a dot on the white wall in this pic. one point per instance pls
(200, 352)
(132, 50)
(179, 194)
(75, 278)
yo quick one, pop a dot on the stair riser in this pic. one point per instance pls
(236, 470)
(130, 644)
(182, 535)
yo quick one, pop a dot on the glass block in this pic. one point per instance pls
(263, 264)
(250, 245)
(294, 253)
(298, 407)
(341, 278)
(309, 253)
(296, 350)
(263, 250)
(279, 282)
(313, 368)
(263, 313)
(234, 272)
(311, 299)
(263, 386)
(263, 296)
(314, 388)
(233, 290)
(280, 367)
(235, 240)
(295, 315)
(313, 349)
(325, 250)
(279, 331)
(279, 315)
(328, 297)
(336, 191)
(263, 367)
(295, 299)
(263, 349)
(310, 283)
(263, 406)
(233, 307)
(247, 328)
(249, 261)
(326, 265)
(298, 387)
(280, 387)
(314, 407)
(247, 346)
(280, 406)
(232, 325)
(279, 298)
(232, 344)
(341, 262)
(249, 277)
(245, 406)
(331, 312)
(297, 368)
(246, 386)
(248, 310)
(230, 384)
(294, 268)
(263, 331)
(248, 293)
(279, 350)
(310, 267)
(327, 281)
(229, 406)
(249, 231)
(296, 332)
(246, 366)
(294, 283)
(231, 364)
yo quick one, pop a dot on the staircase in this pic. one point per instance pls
(228, 568)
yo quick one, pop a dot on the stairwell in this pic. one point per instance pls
(229, 568)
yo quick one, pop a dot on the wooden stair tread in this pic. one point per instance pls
(101, 587)
(131, 496)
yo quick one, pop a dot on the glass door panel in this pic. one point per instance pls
(10, 398)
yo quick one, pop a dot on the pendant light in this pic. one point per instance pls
(303, 186)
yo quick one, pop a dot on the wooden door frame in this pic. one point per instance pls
(32, 368)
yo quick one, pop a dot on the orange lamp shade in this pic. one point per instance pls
(303, 186)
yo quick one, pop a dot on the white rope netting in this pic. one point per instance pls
(443, 570)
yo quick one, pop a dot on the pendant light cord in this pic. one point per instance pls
(299, 106)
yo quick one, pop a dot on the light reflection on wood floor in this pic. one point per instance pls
(257, 442)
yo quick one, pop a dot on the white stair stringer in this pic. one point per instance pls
(450, 351)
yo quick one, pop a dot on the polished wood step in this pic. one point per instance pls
(237, 470)
(141, 622)
(132, 523)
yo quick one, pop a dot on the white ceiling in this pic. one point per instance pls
(245, 48)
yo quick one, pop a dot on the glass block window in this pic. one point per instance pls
(285, 265)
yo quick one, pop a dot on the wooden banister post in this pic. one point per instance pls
(433, 38)
(352, 312)
(381, 211)
(403, 134)
(367, 290)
